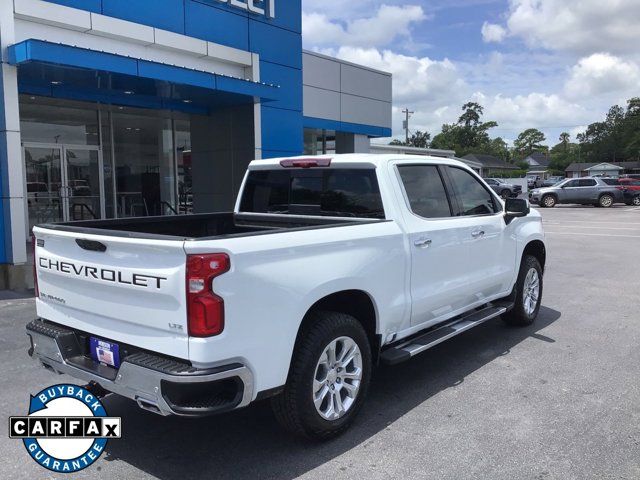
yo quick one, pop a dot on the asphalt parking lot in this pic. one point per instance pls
(560, 399)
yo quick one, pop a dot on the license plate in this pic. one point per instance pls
(107, 353)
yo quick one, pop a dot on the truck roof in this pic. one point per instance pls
(363, 158)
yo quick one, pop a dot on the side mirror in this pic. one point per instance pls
(516, 208)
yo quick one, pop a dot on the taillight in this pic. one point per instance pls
(35, 268)
(205, 309)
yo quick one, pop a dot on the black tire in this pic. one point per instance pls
(636, 201)
(606, 200)
(505, 194)
(548, 201)
(519, 316)
(294, 407)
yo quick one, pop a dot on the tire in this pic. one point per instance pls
(606, 201)
(636, 201)
(525, 311)
(309, 378)
(549, 201)
(505, 194)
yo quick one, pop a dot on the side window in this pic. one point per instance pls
(587, 183)
(473, 197)
(572, 183)
(425, 190)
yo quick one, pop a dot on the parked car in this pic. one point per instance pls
(502, 188)
(634, 176)
(610, 180)
(295, 295)
(630, 191)
(551, 181)
(585, 191)
(534, 181)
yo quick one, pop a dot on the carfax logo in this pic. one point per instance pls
(67, 428)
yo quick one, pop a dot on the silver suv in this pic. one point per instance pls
(584, 191)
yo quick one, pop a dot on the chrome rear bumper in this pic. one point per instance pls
(162, 385)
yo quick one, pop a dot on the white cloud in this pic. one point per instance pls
(537, 110)
(602, 73)
(492, 32)
(584, 27)
(389, 23)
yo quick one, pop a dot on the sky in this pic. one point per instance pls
(555, 65)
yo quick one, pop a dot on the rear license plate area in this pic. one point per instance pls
(104, 352)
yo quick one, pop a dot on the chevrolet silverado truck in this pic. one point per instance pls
(325, 268)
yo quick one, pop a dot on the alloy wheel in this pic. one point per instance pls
(337, 378)
(531, 291)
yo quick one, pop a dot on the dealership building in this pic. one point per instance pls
(121, 108)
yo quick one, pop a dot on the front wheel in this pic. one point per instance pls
(328, 379)
(636, 201)
(605, 201)
(505, 194)
(549, 201)
(528, 293)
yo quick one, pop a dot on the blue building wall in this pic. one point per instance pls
(278, 41)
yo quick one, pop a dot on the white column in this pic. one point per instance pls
(11, 162)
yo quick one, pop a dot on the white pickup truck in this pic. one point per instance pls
(326, 267)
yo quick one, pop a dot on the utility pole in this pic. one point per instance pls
(405, 123)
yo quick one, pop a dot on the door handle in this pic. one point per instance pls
(477, 234)
(422, 242)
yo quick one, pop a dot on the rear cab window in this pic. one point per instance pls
(333, 192)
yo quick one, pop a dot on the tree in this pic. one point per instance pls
(471, 116)
(565, 138)
(529, 141)
(469, 134)
(419, 139)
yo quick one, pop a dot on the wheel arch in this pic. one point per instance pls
(537, 249)
(356, 303)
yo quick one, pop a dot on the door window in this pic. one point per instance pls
(473, 197)
(587, 183)
(572, 183)
(425, 190)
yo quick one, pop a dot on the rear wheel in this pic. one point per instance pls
(329, 377)
(528, 293)
(549, 201)
(606, 200)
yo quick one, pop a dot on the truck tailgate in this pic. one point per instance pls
(130, 290)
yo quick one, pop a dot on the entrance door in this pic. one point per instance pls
(64, 183)
(44, 172)
(83, 192)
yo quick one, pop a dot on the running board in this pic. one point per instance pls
(410, 348)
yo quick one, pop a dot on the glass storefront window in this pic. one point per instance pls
(183, 159)
(57, 124)
(144, 163)
(319, 142)
(86, 160)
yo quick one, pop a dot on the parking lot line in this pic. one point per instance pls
(582, 234)
(557, 222)
(636, 229)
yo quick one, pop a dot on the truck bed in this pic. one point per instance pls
(201, 226)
